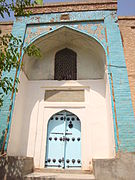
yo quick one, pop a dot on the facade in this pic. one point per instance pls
(76, 102)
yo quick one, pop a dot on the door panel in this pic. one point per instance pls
(73, 143)
(55, 143)
(63, 141)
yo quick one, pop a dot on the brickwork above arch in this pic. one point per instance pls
(74, 6)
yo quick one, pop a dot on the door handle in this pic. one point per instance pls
(64, 138)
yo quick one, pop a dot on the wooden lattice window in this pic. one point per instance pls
(65, 65)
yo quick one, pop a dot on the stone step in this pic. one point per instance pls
(67, 171)
(58, 176)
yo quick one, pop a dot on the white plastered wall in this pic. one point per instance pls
(31, 115)
(31, 112)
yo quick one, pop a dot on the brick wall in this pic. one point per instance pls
(74, 6)
(6, 27)
(127, 28)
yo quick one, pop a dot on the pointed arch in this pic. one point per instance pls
(66, 112)
(90, 64)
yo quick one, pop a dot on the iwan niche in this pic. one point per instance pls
(66, 51)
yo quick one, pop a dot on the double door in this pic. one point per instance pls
(63, 148)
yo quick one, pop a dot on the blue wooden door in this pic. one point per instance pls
(73, 142)
(63, 141)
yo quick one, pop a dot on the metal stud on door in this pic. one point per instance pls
(64, 141)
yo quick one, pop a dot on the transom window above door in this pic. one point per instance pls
(65, 65)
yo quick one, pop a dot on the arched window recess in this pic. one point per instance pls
(65, 65)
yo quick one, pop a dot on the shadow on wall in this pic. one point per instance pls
(15, 167)
(120, 168)
(2, 139)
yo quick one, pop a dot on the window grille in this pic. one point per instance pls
(65, 65)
